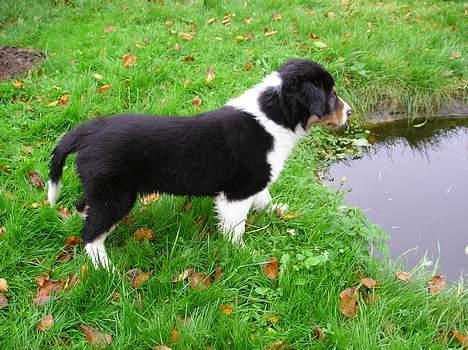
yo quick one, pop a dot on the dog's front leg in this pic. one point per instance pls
(262, 200)
(232, 216)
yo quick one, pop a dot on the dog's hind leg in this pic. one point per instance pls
(232, 215)
(102, 216)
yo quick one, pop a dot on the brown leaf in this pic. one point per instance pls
(150, 198)
(277, 345)
(175, 336)
(218, 273)
(462, 339)
(211, 20)
(3, 285)
(36, 180)
(18, 83)
(271, 268)
(403, 276)
(319, 333)
(100, 340)
(168, 23)
(248, 66)
(143, 233)
(128, 60)
(162, 347)
(3, 301)
(226, 308)
(182, 276)
(210, 75)
(368, 282)
(349, 302)
(5, 168)
(71, 281)
(276, 17)
(64, 212)
(227, 20)
(273, 319)
(312, 37)
(250, 36)
(63, 100)
(45, 323)
(73, 240)
(329, 14)
(108, 29)
(185, 36)
(436, 283)
(189, 58)
(138, 277)
(197, 101)
(67, 251)
(455, 55)
(199, 281)
(27, 149)
(177, 47)
(268, 32)
(46, 287)
(2, 230)
(104, 88)
(286, 215)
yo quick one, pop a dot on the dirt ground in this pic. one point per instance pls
(15, 61)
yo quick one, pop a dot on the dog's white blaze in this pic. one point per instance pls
(284, 139)
(231, 217)
(346, 108)
(97, 252)
(53, 190)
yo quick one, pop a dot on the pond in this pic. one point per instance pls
(413, 181)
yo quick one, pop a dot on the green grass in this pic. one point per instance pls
(403, 62)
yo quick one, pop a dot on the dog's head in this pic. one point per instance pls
(304, 95)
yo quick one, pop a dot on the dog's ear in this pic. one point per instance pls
(313, 99)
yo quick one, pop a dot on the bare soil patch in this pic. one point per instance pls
(16, 61)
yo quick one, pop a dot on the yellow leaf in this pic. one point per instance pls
(196, 102)
(186, 36)
(226, 308)
(3, 285)
(210, 75)
(18, 83)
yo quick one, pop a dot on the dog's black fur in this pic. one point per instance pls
(224, 150)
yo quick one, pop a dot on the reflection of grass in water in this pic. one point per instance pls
(420, 139)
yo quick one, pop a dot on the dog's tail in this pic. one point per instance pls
(68, 144)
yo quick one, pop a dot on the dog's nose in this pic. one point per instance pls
(349, 112)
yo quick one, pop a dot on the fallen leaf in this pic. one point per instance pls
(239, 38)
(268, 32)
(67, 251)
(46, 287)
(36, 180)
(100, 340)
(271, 268)
(226, 308)
(199, 281)
(27, 149)
(319, 333)
(71, 281)
(403, 276)
(98, 76)
(319, 44)
(210, 75)
(5, 168)
(45, 323)
(182, 276)
(248, 20)
(189, 58)
(53, 103)
(196, 101)
(108, 29)
(150, 198)
(3, 301)
(64, 212)
(187, 83)
(218, 273)
(250, 36)
(162, 347)
(18, 84)
(128, 60)
(329, 14)
(436, 283)
(273, 319)
(73, 240)
(277, 345)
(186, 36)
(248, 66)
(462, 339)
(3, 285)
(455, 55)
(104, 87)
(286, 215)
(177, 47)
(276, 17)
(137, 277)
(143, 233)
(227, 20)
(368, 282)
(63, 100)
(168, 23)
(312, 37)
(2, 230)
(349, 302)
(175, 336)
(211, 20)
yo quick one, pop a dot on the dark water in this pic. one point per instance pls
(414, 182)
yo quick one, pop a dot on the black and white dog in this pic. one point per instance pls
(233, 153)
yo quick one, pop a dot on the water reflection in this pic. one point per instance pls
(414, 182)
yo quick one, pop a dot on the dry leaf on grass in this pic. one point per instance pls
(27, 149)
(197, 101)
(186, 36)
(67, 251)
(349, 302)
(3, 285)
(175, 336)
(239, 38)
(462, 339)
(137, 277)
(150, 198)
(182, 276)
(3, 301)
(18, 84)
(319, 333)
(277, 345)
(273, 319)
(286, 215)
(189, 58)
(104, 88)
(199, 280)
(226, 309)
(46, 288)
(2, 230)
(64, 212)
(63, 100)
(108, 29)
(368, 282)
(100, 340)
(45, 323)
(143, 233)
(211, 20)
(36, 180)
(162, 347)
(248, 66)
(403, 276)
(276, 17)
(271, 268)
(436, 283)
(210, 75)
(128, 60)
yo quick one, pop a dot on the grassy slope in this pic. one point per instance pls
(399, 62)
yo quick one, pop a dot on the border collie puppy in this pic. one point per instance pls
(233, 153)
